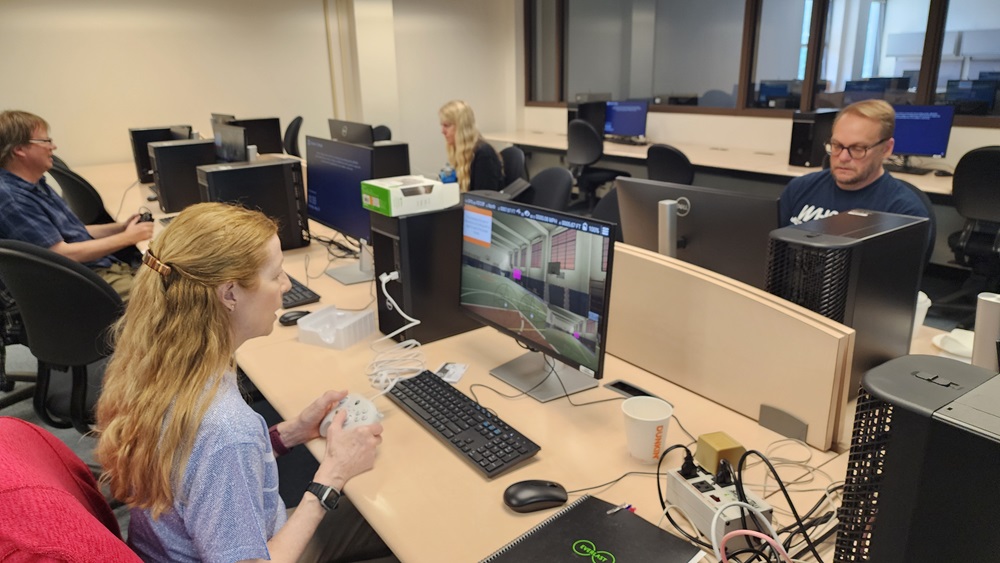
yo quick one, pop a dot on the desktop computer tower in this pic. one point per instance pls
(861, 269)
(924, 428)
(273, 187)
(810, 132)
(175, 178)
(426, 250)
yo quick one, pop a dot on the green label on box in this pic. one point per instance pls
(376, 198)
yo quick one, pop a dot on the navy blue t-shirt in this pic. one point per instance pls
(816, 195)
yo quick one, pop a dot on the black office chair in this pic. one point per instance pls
(977, 246)
(12, 332)
(513, 165)
(717, 99)
(665, 163)
(585, 147)
(551, 188)
(67, 310)
(607, 210)
(81, 197)
(932, 219)
(291, 140)
(381, 133)
(59, 163)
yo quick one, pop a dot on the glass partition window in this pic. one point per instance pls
(780, 57)
(969, 74)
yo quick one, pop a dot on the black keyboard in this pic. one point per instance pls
(474, 433)
(298, 295)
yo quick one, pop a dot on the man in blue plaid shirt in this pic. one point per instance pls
(31, 211)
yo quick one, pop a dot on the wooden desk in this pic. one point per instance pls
(768, 165)
(426, 503)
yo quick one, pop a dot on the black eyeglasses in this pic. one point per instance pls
(857, 152)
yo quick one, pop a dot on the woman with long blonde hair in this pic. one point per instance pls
(177, 441)
(477, 164)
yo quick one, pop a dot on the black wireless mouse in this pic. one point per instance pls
(292, 317)
(532, 495)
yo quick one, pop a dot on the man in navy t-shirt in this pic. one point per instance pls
(861, 141)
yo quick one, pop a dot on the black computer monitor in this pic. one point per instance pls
(509, 282)
(594, 114)
(976, 96)
(858, 90)
(922, 130)
(626, 118)
(264, 133)
(141, 137)
(230, 142)
(891, 82)
(989, 75)
(726, 231)
(351, 132)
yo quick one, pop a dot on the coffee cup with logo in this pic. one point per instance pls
(646, 421)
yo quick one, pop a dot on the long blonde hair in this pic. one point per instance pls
(171, 347)
(460, 154)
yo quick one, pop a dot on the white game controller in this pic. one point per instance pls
(360, 411)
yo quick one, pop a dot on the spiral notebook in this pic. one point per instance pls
(584, 531)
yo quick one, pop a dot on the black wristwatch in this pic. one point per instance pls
(328, 496)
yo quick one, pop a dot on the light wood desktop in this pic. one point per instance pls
(426, 503)
(721, 158)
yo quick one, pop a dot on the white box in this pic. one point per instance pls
(333, 328)
(406, 195)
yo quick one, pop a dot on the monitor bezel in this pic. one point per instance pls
(602, 328)
(352, 132)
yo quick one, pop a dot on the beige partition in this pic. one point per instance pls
(729, 342)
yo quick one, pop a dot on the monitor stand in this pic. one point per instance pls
(361, 271)
(905, 168)
(526, 371)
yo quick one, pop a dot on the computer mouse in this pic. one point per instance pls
(292, 317)
(942, 173)
(534, 494)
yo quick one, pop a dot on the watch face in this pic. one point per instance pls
(328, 496)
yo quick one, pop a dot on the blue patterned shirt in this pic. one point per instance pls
(35, 214)
(228, 506)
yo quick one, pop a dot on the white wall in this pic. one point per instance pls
(93, 69)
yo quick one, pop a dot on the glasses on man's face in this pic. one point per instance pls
(857, 152)
(41, 141)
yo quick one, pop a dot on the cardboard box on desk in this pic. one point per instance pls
(405, 195)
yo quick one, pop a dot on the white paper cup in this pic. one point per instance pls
(923, 304)
(646, 421)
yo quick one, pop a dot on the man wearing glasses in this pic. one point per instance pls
(861, 141)
(32, 212)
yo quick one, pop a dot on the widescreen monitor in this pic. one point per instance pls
(726, 231)
(858, 90)
(264, 133)
(351, 132)
(626, 119)
(141, 137)
(922, 130)
(982, 91)
(989, 75)
(544, 279)
(230, 142)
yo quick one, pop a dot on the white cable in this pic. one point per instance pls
(391, 304)
(400, 361)
(718, 516)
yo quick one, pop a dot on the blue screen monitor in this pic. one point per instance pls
(334, 172)
(989, 75)
(770, 90)
(983, 91)
(544, 279)
(923, 130)
(858, 90)
(626, 119)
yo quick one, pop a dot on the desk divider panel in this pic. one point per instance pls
(729, 342)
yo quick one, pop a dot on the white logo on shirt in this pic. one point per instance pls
(811, 213)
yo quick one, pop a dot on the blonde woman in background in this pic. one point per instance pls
(177, 441)
(477, 164)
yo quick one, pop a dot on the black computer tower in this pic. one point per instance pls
(810, 132)
(175, 175)
(426, 250)
(919, 484)
(861, 269)
(272, 186)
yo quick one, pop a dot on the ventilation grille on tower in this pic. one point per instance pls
(816, 278)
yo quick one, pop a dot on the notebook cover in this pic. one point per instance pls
(584, 531)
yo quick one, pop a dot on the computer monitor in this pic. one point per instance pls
(891, 82)
(726, 231)
(264, 133)
(989, 75)
(594, 114)
(921, 131)
(626, 118)
(351, 132)
(223, 117)
(142, 136)
(858, 90)
(772, 90)
(334, 173)
(973, 96)
(230, 142)
(507, 282)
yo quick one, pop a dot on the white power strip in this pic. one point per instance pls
(701, 497)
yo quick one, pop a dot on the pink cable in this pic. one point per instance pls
(777, 547)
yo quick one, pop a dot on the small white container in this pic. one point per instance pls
(333, 328)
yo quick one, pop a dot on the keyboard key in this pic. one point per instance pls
(298, 295)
